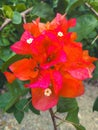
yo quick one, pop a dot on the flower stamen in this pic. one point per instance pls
(47, 92)
(60, 34)
(29, 41)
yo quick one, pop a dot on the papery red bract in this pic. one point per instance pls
(57, 64)
(24, 69)
(10, 76)
(22, 46)
(71, 87)
(42, 102)
(43, 81)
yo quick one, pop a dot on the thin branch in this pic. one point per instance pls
(64, 120)
(94, 40)
(92, 9)
(53, 118)
(23, 14)
(27, 104)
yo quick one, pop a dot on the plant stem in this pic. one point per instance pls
(53, 118)
(92, 9)
(23, 14)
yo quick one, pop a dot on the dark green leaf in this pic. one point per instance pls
(5, 99)
(95, 75)
(1, 63)
(4, 42)
(19, 115)
(11, 109)
(85, 25)
(95, 106)
(16, 90)
(5, 53)
(72, 118)
(2, 80)
(33, 109)
(17, 19)
(22, 105)
(66, 104)
(72, 4)
(43, 10)
(61, 6)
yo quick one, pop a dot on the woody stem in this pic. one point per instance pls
(53, 118)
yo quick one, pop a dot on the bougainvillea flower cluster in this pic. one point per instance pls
(57, 64)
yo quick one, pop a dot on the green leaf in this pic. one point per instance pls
(43, 10)
(72, 118)
(85, 25)
(11, 109)
(22, 105)
(2, 80)
(20, 7)
(5, 53)
(16, 90)
(95, 74)
(72, 4)
(4, 42)
(95, 106)
(33, 109)
(61, 6)
(19, 115)
(66, 104)
(5, 99)
(8, 11)
(17, 19)
(94, 4)
(1, 63)
(10, 61)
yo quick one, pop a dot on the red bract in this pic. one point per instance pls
(57, 64)
(24, 45)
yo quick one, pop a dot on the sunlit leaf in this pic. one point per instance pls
(20, 7)
(94, 4)
(8, 11)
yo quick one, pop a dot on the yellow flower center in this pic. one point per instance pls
(60, 34)
(47, 92)
(29, 41)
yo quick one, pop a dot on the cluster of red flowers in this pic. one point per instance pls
(57, 63)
